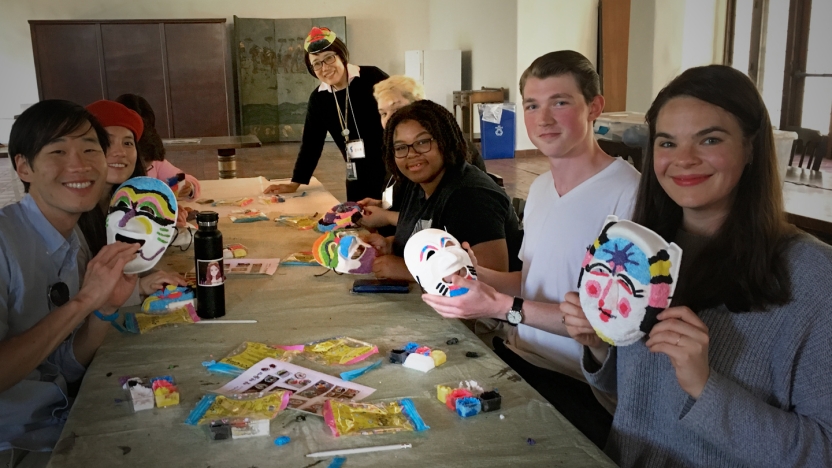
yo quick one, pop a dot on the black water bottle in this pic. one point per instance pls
(210, 279)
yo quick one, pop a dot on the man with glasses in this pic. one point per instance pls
(51, 321)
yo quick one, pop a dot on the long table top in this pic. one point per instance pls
(294, 306)
(807, 196)
(211, 143)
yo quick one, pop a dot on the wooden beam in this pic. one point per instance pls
(730, 22)
(756, 53)
(614, 42)
(797, 50)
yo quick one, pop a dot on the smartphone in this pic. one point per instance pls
(381, 286)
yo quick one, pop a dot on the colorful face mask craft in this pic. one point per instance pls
(432, 255)
(627, 278)
(143, 210)
(344, 254)
(342, 216)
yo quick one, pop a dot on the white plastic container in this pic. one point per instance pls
(783, 142)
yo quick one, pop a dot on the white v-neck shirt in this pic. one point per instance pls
(558, 231)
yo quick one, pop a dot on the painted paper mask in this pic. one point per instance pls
(344, 253)
(143, 210)
(345, 215)
(432, 255)
(627, 278)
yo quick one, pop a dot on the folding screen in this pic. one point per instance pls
(272, 79)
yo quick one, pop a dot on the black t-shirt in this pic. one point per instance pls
(468, 204)
(322, 118)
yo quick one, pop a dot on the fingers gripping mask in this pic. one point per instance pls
(627, 278)
(344, 254)
(345, 215)
(143, 211)
(431, 255)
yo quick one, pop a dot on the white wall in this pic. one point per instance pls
(666, 38)
(488, 28)
(548, 25)
(379, 31)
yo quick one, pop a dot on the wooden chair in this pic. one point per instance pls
(619, 149)
(810, 146)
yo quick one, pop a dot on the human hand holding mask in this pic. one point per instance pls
(627, 278)
(432, 256)
(143, 211)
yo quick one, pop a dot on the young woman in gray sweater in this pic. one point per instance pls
(738, 371)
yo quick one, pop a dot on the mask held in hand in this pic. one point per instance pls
(142, 211)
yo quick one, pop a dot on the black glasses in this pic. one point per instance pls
(419, 147)
(328, 60)
(58, 294)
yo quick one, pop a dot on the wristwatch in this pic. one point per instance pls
(515, 314)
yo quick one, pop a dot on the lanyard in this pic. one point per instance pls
(343, 117)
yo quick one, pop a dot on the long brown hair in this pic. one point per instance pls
(743, 265)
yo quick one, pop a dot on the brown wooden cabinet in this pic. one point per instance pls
(179, 66)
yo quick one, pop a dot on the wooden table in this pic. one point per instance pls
(807, 196)
(291, 307)
(226, 148)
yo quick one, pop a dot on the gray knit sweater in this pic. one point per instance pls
(767, 402)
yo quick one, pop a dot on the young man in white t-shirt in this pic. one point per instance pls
(564, 213)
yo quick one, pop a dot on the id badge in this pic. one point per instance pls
(355, 149)
(387, 197)
(352, 172)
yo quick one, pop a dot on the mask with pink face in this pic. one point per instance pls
(627, 278)
(431, 255)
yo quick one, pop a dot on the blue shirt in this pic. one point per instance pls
(33, 257)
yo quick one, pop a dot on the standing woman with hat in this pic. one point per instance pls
(344, 106)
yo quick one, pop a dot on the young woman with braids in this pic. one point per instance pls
(423, 143)
(737, 372)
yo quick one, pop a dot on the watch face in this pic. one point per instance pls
(514, 317)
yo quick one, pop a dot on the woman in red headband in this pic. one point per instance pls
(343, 105)
(125, 128)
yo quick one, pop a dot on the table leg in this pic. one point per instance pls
(227, 163)
(468, 122)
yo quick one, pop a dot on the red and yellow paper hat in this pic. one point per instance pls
(318, 40)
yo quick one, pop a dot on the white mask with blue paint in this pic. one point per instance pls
(431, 255)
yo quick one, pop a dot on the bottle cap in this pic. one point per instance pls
(207, 218)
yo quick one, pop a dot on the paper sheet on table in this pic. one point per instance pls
(182, 141)
(310, 388)
(316, 198)
(250, 266)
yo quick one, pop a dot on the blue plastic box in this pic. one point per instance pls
(498, 139)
